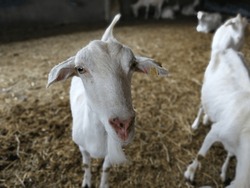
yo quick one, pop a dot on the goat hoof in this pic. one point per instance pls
(189, 179)
(190, 182)
(189, 174)
(227, 182)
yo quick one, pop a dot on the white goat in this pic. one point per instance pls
(208, 22)
(226, 84)
(189, 10)
(147, 3)
(225, 100)
(229, 35)
(100, 98)
(232, 33)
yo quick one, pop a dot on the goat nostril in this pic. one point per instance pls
(121, 125)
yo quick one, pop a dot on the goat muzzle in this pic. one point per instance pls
(122, 127)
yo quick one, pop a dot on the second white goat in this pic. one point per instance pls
(224, 101)
(229, 35)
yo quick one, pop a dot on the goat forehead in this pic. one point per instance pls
(98, 54)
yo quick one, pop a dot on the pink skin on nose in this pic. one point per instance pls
(122, 128)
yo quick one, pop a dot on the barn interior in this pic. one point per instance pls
(36, 147)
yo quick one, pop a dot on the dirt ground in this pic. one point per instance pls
(36, 149)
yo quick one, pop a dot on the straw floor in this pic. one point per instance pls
(36, 149)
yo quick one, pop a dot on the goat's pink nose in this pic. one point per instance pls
(122, 127)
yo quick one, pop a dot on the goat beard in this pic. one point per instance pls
(115, 151)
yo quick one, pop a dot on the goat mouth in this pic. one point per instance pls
(130, 136)
(122, 128)
(121, 138)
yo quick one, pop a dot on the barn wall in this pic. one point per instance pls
(17, 12)
(228, 6)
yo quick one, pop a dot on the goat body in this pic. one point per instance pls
(228, 35)
(225, 93)
(225, 102)
(100, 98)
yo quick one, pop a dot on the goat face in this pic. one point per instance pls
(105, 69)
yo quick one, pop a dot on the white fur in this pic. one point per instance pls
(208, 22)
(225, 103)
(101, 91)
(147, 3)
(225, 99)
(228, 35)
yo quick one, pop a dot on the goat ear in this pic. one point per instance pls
(62, 71)
(109, 31)
(229, 22)
(200, 15)
(233, 21)
(149, 66)
(239, 16)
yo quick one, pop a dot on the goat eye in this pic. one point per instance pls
(133, 65)
(80, 70)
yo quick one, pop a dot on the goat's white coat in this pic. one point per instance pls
(225, 93)
(100, 92)
(228, 35)
(208, 22)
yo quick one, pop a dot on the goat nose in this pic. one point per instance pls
(123, 124)
(122, 127)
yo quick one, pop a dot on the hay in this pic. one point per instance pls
(36, 147)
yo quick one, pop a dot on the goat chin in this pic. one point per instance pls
(115, 151)
(115, 146)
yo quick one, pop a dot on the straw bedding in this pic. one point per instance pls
(36, 148)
